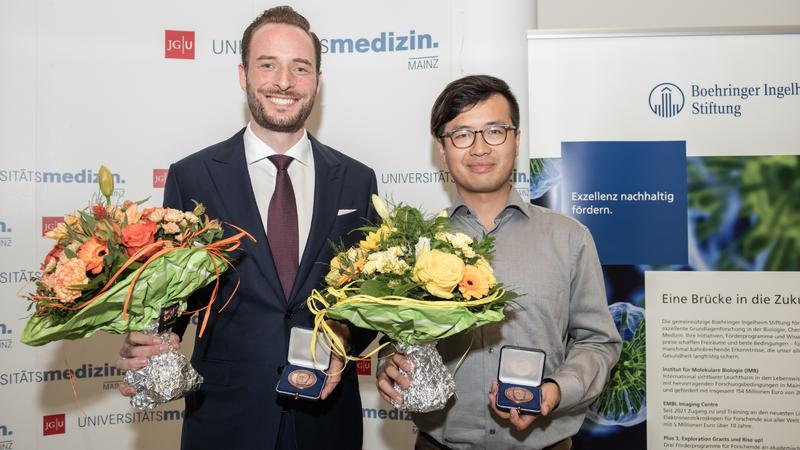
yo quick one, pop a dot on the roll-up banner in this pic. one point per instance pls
(679, 150)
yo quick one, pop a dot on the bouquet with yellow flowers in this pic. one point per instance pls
(119, 268)
(417, 281)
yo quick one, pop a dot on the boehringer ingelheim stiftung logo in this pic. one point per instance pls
(666, 100)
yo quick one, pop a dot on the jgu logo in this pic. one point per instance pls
(54, 424)
(178, 44)
(364, 367)
(5, 431)
(49, 223)
(4, 329)
(159, 178)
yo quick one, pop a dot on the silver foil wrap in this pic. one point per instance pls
(431, 382)
(167, 376)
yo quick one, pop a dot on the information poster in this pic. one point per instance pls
(723, 360)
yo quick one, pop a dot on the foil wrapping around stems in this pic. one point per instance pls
(166, 377)
(431, 382)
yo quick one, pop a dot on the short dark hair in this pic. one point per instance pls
(280, 14)
(463, 94)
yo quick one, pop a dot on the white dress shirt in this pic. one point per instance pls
(301, 172)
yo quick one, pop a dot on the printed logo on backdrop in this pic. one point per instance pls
(5, 337)
(81, 372)
(82, 176)
(49, 223)
(54, 424)
(6, 442)
(128, 417)
(364, 367)
(5, 234)
(666, 100)
(178, 44)
(21, 276)
(436, 177)
(159, 178)
(384, 414)
(418, 50)
(717, 99)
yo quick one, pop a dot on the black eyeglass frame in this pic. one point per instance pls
(475, 133)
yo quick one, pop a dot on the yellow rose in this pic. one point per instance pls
(374, 238)
(439, 272)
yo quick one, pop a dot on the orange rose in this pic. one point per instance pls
(137, 235)
(92, 253)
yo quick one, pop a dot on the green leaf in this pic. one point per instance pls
(375, 287)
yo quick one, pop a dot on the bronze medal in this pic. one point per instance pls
(518, 394)
(302, 379)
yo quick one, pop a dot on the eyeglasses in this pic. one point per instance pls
(492, 135)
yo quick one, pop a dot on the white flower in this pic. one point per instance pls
(381, 208)
(459, 241)
(423, 245)
(386, 262)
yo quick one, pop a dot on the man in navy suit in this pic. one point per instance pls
(244, 348)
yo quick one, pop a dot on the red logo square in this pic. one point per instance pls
(50, 223)
(159, 178)
(54, 424)
(364, 367)
(179, 44)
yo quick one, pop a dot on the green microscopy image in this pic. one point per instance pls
(623, 400)
(745, 212)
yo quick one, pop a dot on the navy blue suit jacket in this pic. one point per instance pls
(243, 349)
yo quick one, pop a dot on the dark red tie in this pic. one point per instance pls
(282, 225)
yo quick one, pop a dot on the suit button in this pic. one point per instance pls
(288, 315)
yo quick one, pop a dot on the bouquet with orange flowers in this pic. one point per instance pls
(417, 281)
(121, 268)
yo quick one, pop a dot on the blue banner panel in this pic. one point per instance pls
(632, 196)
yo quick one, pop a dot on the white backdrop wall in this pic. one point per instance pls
(88, 83)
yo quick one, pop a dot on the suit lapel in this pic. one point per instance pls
(328, 180)
(228, 169)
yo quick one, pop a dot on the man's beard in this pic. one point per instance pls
(283, 125)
